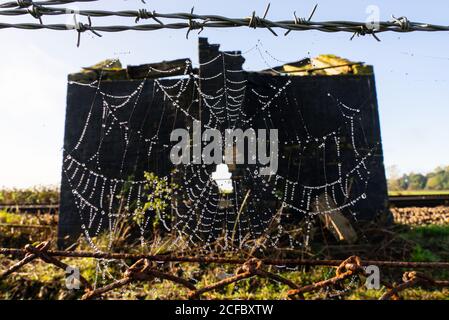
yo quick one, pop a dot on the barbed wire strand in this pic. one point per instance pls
(28, 3)
(221, 260)
(196, 21)
(145, 269)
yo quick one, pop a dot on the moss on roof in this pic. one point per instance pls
(324, 64)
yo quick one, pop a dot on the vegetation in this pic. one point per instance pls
(159, 192)
(431, 243)
(20, 229)
(34, 196)
(436, 180)
(416, 192)
(43, 281)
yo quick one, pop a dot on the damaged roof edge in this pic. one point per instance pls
(326, 64)
(112, 70)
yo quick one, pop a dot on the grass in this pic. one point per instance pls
(16, 237)
(431, 242)
(417, 192)
(43, 281)
(32, 196)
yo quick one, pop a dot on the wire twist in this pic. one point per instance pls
(194, 25)
(24, 3)
(36, 12)
(145, 14)
(402, 22)
(81, 27)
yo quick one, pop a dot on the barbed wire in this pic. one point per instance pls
(145, 269)
(194, 21)
(28, 3)
(220, 260)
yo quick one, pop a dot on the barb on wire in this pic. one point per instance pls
(145, 14)
(81, 27)
(27, 259)
(36, 12)
(250, 268)
(402, 22)
(411, 279)
(40, 251)
(257, 22)
(194, 25)
(364, 30)
(302, 20)
(142, 270)
(348, 268)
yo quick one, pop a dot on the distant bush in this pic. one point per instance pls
(436, 180)
(35, 195)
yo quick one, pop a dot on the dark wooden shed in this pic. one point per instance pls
(326, 114)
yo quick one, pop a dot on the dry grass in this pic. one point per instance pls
(42, 281)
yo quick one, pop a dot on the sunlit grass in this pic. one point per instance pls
(43, 281)
(417, 192)
(32, 196)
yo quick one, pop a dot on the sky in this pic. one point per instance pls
(410, 70)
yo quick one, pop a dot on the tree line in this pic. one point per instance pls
(435, 180)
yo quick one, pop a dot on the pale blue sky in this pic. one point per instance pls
(411, 73)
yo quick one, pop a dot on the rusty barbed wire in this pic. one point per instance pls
(411, 279)
(348, 268)
(145, 269)
(221, 260)
(40, 251)
(142, 270)
(192, 21)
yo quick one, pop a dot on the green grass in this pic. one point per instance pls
(417, 192)
(434, 231)
(431, 242)
(44, 281)
(14, 237)
(35, 195)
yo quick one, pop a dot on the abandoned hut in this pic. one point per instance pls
(118, 126)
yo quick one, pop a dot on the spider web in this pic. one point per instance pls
(254, 215)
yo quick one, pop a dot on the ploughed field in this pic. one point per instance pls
(421, 215)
